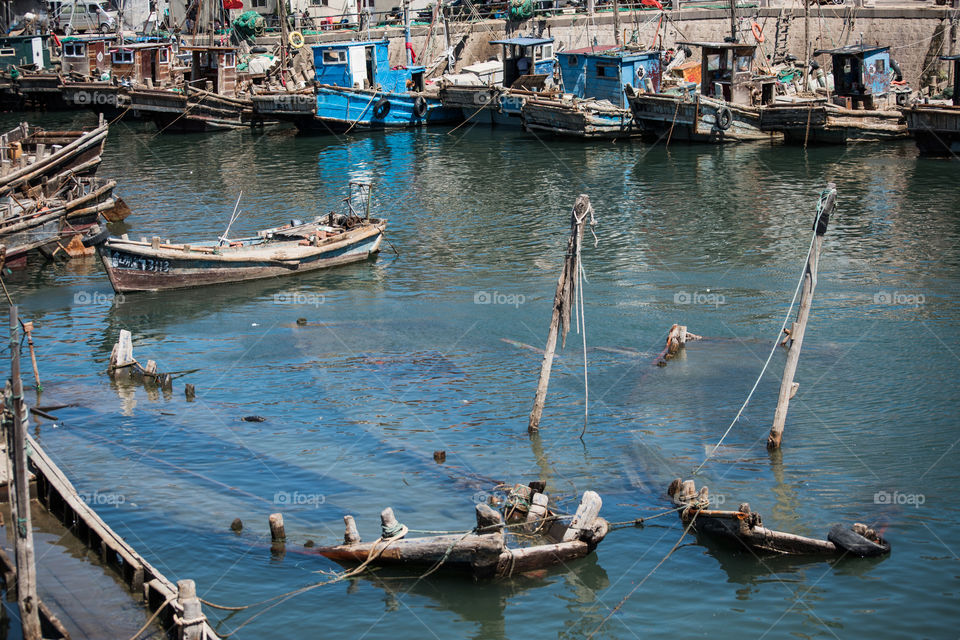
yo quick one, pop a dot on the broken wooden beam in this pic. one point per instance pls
(677, 338)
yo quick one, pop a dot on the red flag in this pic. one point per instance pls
(652, 3)
(233, 4)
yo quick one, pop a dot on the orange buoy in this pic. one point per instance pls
(757, 32)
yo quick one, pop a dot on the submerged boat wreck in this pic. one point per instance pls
(745, 527)
(325, 241)
(483, 552)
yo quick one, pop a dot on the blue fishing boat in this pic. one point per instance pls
(356, 88)
(594, 102)
(528, 65)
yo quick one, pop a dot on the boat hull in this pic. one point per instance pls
(79, 152)
(199, 112)
(340, 109)
(139, 267)
(936, 129)
(573, 120)
(823, 124)
(662, 116)
(99, 97)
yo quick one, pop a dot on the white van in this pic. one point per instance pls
(83, 15)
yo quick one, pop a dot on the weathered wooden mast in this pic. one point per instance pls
(20, 496)
(787, 386)
(563, 302)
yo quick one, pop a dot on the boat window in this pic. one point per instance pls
(881, 67)
(164, 56)
(8, 52)
(713, 62)
(121, 56)
(546, 52)
(73, 50)
(335, 57)
(229, 60)
(606, 71)
(743, 63)
(571, 60)
(846, 66)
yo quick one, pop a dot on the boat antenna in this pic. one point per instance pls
(233, 218)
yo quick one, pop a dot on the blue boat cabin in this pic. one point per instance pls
(363, 65)
(862, 75)
(528, 58)
(726, 73)
(604, 72)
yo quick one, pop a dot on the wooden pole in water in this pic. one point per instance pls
(787, 387)
(20, 497)
(562, 303)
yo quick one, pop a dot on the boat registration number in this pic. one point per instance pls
(127, 261)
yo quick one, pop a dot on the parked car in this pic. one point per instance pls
(89, 15)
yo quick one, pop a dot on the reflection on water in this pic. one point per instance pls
(399, 360)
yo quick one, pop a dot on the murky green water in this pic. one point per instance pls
(399, 359)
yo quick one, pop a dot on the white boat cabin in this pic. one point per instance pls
(88, 56)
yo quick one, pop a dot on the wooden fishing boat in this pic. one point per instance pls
(727, 108)
(483, 552)
(326, 241)
(865, 106)
(29, 155)
(41, 90)
(209, 100)
(594, 103)
(484, 97)
(936, 127)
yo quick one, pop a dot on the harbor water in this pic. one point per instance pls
(434, 346)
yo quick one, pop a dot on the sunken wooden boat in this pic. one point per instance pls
(30, 155)
(745, 528)
(326, 241)
(483, 552)
(41, 90)
(575, 118)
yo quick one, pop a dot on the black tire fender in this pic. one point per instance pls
(851, 542)
(95, 236)
(420, 107)
(724, 118)
(381, 109)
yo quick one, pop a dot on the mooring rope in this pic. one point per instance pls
(153, 617)
(776, 342)
(640, 584)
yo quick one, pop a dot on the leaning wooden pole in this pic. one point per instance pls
(787, 386)
(563, 302)
(20, 496)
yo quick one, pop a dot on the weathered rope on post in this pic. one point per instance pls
(153, 617)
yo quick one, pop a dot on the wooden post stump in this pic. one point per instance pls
(191, 625)
(350, 535)
(277, 533)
